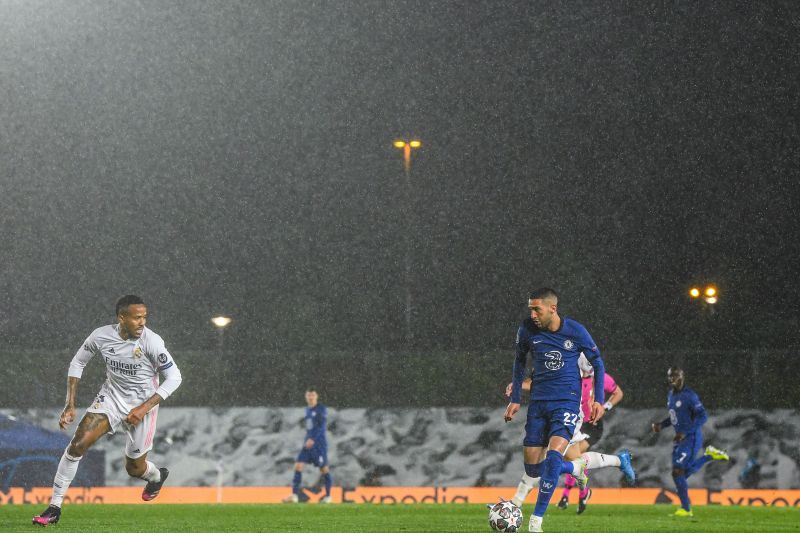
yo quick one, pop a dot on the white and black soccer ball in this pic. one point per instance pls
(505, 516)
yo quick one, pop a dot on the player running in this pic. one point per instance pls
(134, 356)
(315, 448)
(580, 443)
(555, 344)
(586, 435)
(687, 415)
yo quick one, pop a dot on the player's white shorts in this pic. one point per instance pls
(578, 435)
(140, 438)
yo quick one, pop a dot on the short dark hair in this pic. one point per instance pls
(543, 294)
(311, 389)
(125, 301)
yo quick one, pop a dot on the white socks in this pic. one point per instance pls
(67, 467)
(596, 460)
(152, 473)
(526, 485)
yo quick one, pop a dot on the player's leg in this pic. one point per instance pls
(530, 479)
(576, 446)
(595, 460)
(585, 493)
(326, 478)
(138, 445)
(622, 460)
(681, 457)
(710, 454)
(91, 427)
(682, 488)
(561, 418)
(552, 468)
(141, 468)
(532, 453)
(297, 478)
(324, 469)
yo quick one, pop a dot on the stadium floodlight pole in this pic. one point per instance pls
(406, 147)
(220, 322)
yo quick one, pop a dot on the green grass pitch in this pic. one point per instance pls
(401, 518)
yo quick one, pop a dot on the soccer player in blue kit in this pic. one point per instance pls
(687, 415)
(555, 344)
(315, 447)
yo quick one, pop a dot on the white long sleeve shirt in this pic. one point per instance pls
(132, 366)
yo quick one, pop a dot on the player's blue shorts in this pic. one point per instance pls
(547, 418)
(316, 455)
(684, 453)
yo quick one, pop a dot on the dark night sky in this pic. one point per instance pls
(236, 157)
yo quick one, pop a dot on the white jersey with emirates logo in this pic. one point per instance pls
(132, 366)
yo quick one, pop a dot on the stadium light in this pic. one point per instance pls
(711, 295)
(406, 147)
(221, 321)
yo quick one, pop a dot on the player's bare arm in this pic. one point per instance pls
(136, 415)
(309, 444)
(614, 399)
(68, 414)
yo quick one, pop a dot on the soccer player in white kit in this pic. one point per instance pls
(129, 398)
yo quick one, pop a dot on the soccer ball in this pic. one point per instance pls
(505, 516)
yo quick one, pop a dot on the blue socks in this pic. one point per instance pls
(551, 471)
(298, 477)
(683, 492)
(697, 464)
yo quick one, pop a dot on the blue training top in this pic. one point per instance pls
(686, 412)
(316, 424)
(555, 371)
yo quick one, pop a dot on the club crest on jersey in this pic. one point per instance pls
(137, 353)
(568, 344)
(162, 358)
(678, 403)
